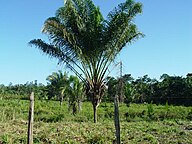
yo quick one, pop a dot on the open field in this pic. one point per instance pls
(144, 123)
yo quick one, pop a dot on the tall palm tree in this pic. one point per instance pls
(87, 43)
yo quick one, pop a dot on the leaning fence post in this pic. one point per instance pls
(30, 121)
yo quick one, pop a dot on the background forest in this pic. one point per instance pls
(174, 90)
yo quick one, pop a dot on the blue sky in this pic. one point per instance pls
(166, 48)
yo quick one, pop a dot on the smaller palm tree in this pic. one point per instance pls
(76, 94)
(58, 85)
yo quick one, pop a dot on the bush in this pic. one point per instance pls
(96, 139)
(189, 115)
(150, 111)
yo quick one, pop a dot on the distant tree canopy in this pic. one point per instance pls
(172, 89)
(22, 91)
(175, 90)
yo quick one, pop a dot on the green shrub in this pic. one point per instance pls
(96, 139)
(150, 110)
(79, 118)
(189, 115)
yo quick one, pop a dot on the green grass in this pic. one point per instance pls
(140, 124)
(87, 132)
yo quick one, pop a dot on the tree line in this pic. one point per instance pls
(60, 86)
(174, 90)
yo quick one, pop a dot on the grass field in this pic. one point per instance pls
(140, 124)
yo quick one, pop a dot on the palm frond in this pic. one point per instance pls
(120, 28)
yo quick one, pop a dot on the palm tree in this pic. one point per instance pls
(58, 84)
(87, 43)
(76, 94)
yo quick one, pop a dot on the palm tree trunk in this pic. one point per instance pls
(95, 97)
(74, 108)
(69, 105)
(79, 105)
(95, 113)
(95, 103)
(61, 100)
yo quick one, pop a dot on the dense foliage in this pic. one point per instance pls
(175, 90)
(22, 91)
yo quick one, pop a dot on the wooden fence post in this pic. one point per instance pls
(30, 121)
(116, 119)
